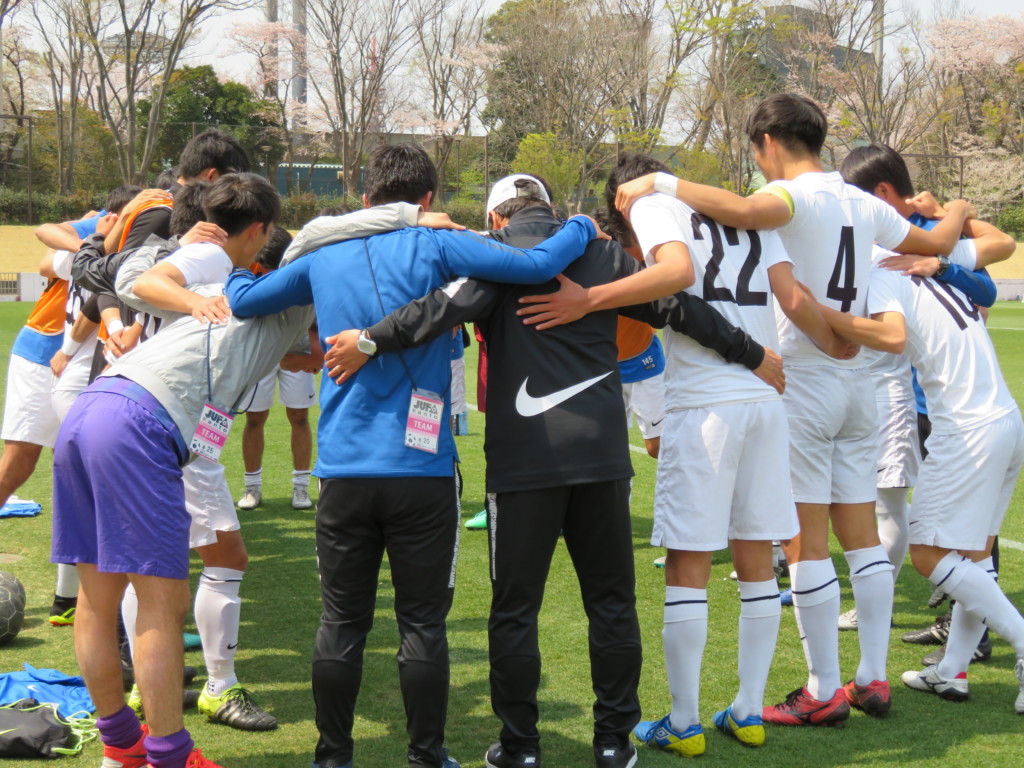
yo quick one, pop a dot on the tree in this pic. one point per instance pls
(549, 157)
(196, 99)
(133, 44)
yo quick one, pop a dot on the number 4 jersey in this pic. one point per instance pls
(731, 270)
(829, 238)
(948, 344)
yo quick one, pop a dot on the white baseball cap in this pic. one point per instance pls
(505, 189)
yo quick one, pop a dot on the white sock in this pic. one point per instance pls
(217, 611)
(981, 596)
(965, 632)
(760, 612)
(871, 578)
(816, 606)
(254, 479)
(684, 636)
(893, 514)
(130, 614)
(300, 478)
(67, 581)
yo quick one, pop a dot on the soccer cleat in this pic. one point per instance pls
(195, 759)
(873, 699)
(447, 761)
(191, 641)
(982, 653)
(189, 699)
(848, 620)
(937, 598)
(659, 562)
(800, 708)
(300, 498)
(660, 735)
(477, 522)
(498, 757)
(251, 498)
(929, 681)
(62, 617)
(615, 757)
(236, 708)
(132, 757)
(786, 597)
(1018, 671)
(933, 634)
(749, 731)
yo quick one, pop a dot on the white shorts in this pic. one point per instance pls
(295, 390)
(899, 450)
(28, 408)
(646, 401)
(208, 501)
(833, 434)
(966, 484)
(721, 476)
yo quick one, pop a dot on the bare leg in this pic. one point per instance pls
(302, 438)
(96, 638)
(17, 464)
(252, 439)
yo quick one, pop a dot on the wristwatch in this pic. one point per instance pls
(366, 345)
(943, 266)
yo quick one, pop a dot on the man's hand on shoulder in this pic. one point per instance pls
(211, 309)
(437, 220)
(568, 304)
(631, 191)
(343, 359)
(910, 264)
(601, 234)
(204, 232)
(770, 371)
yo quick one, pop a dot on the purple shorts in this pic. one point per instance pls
(118, 497)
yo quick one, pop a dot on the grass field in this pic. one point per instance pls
(281, 612)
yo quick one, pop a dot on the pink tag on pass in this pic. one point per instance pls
(211, 433)
(423, 427)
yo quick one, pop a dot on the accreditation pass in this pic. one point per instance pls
(211, 433)
(423, 428)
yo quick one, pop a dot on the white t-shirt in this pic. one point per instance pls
(731, 271)
(947, 342)
(201, 264)
(892, 373)
(75, 376)
(830, 238)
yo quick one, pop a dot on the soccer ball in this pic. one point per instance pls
(12, 607)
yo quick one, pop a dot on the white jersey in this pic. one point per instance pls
(75, 376)
(947, 342)
(731, 271)
(830, 238)
(201, 263)
(892, 373)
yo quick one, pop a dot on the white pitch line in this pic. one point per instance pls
(1011, 544)
(637, 449)
(1002, 328)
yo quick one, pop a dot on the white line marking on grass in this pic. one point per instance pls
(1011, 544)
(1002, 328)
(637, 449)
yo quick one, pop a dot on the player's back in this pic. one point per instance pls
(731, 272)
(830, 238)
(949, 346)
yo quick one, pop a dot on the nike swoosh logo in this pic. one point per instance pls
(232, 647)
(527, 405)
(656, 423)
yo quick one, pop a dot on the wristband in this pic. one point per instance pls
(109, 357)
(114, 326)
(70, 346)
(665, 183)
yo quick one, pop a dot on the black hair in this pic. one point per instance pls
(332, 210)
(631, 165)
(867, 167)
(269, 256)
(213, 148)
(528, 194)
(793, 120)
(399, 173)
(188, 207)
(166, 179)
(237, 200)
(119, 197)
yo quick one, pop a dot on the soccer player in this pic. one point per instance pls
(385, 449)
(574, 480)
(828, 229)
(296, 392)
(879, 170)
(977, 433)
(178, 384)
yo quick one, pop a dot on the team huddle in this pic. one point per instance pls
(814, 335)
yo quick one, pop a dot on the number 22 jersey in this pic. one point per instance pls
(829, 238)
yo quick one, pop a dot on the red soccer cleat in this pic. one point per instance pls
(800, 708)
(873, 699)
(133, 757)
(196, 760)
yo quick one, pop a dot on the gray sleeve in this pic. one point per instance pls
(325, 230)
